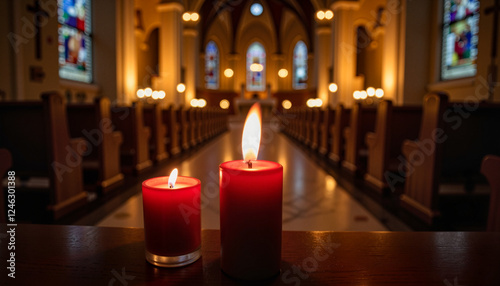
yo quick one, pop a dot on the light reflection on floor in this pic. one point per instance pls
(312, 200)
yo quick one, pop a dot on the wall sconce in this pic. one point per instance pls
(181, 88)
(333, 87)
(198, 102)
(324, 15)
(379, 93)
(190, 17)
(314, 102)
(283, 73)
(148, 92)
(287, 104)
(224, 104)
(228, 73)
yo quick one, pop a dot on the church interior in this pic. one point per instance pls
(270, 142)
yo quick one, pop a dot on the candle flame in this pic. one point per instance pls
(251, 134)
(172, 178)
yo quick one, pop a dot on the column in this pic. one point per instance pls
(170, 49)
(190, 61)
(344, 50)
(127, 64)
(279, 63)
(323, 59)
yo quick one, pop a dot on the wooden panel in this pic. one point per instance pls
(85, 255)
(491, 170)
(157, 141)
(342, 116)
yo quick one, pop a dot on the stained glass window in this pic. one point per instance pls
(460, 38)
(75, 40)
(212, 66)
(256, 67)
(300, 66)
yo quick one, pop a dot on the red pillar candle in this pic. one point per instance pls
(250, 210)
(172, 232)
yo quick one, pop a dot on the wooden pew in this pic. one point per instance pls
(306, 136)
(341, 121)
(490, 168)
(101, 165)
(5, 164)
(158, 140)
(134, 152)
(393, 125)
(302, 124)
(193, 122)
(362, 121)
(36, 134)
(184, 128)
(325, 138)
(173, 129)
(201, 125)
(451, 144)
(315, 128)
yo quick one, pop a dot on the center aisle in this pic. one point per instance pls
(312, 200)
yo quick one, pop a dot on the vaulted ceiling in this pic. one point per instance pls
(304, 10)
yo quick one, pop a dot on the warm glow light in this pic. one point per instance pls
(148, 92)
(224, 104)
(155, 95)
(251, 134)
(310, 103)
(318, 102)
(140, 93)
(283, 73)
(194, 102)
(333, 87)
(328, 14)
(195, 17)
(363, 94)
(356, 95)
(379, 93)
(370, 91)
(320, 15)
(229, 73)
(186, 16)
(255, 67)
(286, 104)
(172, 178)
(202, 103)
(161, 94)
(181, 88)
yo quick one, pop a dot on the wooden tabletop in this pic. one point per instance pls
(85, 255)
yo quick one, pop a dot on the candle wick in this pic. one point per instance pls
(249, 164)
(170, 185)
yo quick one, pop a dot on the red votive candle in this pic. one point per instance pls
(250, 219)
(172, 223)
(251, 195)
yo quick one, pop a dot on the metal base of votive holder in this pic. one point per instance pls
(173, 261)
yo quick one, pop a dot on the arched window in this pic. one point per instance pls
(300, 66)
(75, 40)
(460, 39)
(212, 66)
(256, 67)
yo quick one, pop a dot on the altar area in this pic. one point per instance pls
(246, 99)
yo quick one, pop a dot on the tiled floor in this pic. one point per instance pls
(312, 200)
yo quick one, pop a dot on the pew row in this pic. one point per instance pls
(158, 140)
(341, 121)
(362, 121)
(452, 141)
(173, 129)
(393, 125)
(490, 168)
(325, 145)
(134, 152)
(101, 164)
(46, 160)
